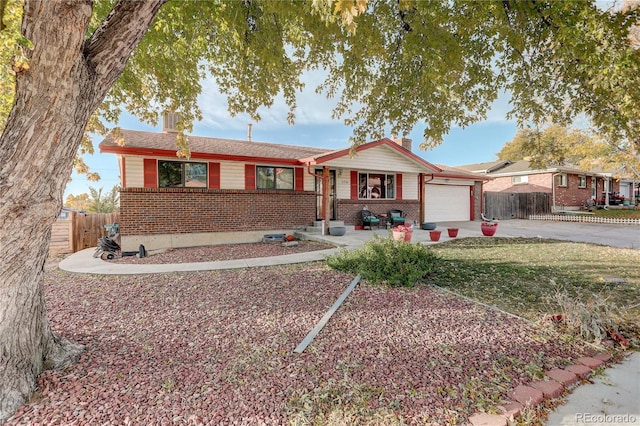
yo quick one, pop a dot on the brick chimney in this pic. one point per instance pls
(403, 142)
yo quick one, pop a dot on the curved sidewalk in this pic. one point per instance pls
(624, 236)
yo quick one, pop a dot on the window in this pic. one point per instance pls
(562, 180)
(582, 181)
(177, 174)
(376, 186)
(274, 177)
(519, 179)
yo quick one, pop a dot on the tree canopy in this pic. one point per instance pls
(66, 66)
(557, 145)
(391, 64)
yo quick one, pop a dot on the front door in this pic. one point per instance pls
(332, 195)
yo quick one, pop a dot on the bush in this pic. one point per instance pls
(386, 262)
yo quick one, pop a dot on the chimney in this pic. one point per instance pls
(169, 121)
(249, 131)
(403, 142)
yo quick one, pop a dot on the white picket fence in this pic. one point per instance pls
(583, 218)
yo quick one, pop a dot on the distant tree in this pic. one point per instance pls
(553, 145)
(107, 203)
(77, 202)
(391, 63)
(558, 145)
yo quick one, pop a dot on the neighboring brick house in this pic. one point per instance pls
(570, 187)
(237, 191)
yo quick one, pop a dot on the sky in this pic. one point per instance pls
(313, 127)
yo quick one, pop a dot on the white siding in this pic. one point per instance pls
(409, 186)
(231, 175)
(378, 159)
(134, 172)
(343, 184)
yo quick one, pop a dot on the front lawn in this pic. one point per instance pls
(528, 276)
(630, 213)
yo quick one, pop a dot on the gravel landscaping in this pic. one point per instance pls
(217, 348)
(225, 252)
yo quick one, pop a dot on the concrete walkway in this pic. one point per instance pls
(610, 400)
(625, 236)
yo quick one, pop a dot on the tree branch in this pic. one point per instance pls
(108, 49)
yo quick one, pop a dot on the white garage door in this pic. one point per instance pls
(447, 203)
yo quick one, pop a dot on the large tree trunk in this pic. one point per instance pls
(67, 79)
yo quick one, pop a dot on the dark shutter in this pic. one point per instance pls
(214, 175)
(249, 176)
(150, 172)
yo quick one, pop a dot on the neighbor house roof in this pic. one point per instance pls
(521, 167)
(486, 167)
(457, 173)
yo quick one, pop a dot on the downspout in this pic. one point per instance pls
(423, 189)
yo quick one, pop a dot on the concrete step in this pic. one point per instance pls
(317, 225)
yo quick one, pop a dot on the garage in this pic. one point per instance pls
(447, 203)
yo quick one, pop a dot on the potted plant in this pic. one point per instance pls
(434, 235)
(402, 233)
(453, 232)
(488, 228)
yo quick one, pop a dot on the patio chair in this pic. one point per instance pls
(396, 217)
(369, 219)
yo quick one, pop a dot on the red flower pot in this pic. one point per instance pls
(489, 229)
(434, 235)
(453, 232)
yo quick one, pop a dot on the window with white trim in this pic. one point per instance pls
(274, 177)
(181, 174)
(376, 186)
(519, 179)
(582, 181)
(562, 179)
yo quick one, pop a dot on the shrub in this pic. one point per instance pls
(386, 262)
(590, 320)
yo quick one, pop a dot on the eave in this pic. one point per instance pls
(152, 152)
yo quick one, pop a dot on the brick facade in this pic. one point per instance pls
(147, 211)
(570, 195)
(537, 183)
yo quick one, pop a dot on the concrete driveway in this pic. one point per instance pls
(625, 236)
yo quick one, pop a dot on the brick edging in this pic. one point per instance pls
(559, 380)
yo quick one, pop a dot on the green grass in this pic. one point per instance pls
(521, 276)
(618, 213)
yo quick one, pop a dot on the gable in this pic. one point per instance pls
(380, 158)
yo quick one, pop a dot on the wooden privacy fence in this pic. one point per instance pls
(514, 205)
(79, 231)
